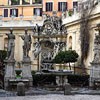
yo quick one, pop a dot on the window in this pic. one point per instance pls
(25, 1)
(5, 12)
(75, 4)
(38, 1)
(14, 12)
(49, 6)
(62, 6)
(38, 11)
(15, 2)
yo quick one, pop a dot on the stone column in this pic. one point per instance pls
(31, 2)
(26, 71)
(75, 11)
(9, 72)
(9, 2)
(20, 2)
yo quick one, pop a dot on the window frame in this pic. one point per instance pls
(61, 6)
(12, 12)
(4, 12)
(40, 13)
(48, 8)
(76, 4)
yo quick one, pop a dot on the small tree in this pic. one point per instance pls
(70, 56)
(66, 57)
(59, 58)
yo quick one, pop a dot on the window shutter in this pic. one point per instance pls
(40, 11)
(34, 11)
(10, 12)
(16, 12)
(5, 12)
(51, 6)
(46, 6)
(66, 6)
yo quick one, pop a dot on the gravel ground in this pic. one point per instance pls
(54, 97)
(42, 94)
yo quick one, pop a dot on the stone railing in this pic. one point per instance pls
(20, 21)
(21, 18)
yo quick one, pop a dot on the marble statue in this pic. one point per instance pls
(11, 45)
(27, 44)
(37, 28)
(97, 49)
(37, 49)
(95, 64)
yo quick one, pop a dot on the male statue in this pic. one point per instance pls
(27, 44)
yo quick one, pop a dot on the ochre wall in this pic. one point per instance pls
(55, 5)
(26, 11)
(3, 2)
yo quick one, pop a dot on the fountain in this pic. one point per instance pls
(49, 40)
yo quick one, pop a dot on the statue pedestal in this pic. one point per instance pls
(9, 72)
(26, 70)
(94, 73)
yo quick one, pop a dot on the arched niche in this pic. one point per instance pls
(5, 43)
(70, 43)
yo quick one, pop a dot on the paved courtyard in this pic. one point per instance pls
(54, 97)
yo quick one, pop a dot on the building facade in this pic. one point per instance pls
(19, 15)
(22, 16)
(59, 6)
(20, 8)
(73, 25)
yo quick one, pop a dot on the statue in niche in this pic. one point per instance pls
(36, 29)
(27, 44)
(11, 45)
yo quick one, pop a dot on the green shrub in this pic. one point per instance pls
(41, 79)
(78, 80)
(70, 12)
(33, 72)
(18, 72)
